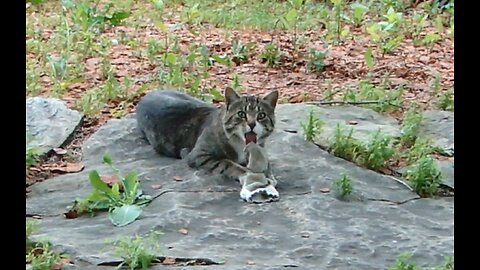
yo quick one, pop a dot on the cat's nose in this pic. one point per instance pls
(251, 125)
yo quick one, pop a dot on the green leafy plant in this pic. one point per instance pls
(270, 55)
(335, 26)
(386, 33)
(139, 251)
(388, 101)
(431, 38)
(358, 13)
(235, 82)
(58, 71)
(350, 95)
(312, 127)
(421, 148)
(93, 18)
(378, 151)
(410, 125)
(32, 80)
(419, 20)
(343, 186)
(402, 263)
(40, 256)
(369, 59)
(31, 227)
(32, 156)
(290, 21)
(424, 176)
(447, 265)
(91, 102)
(316, 60)
(445, 101)
(35, 2)
(345, 146)
(329, 93)
(240, 51)
(123, 199)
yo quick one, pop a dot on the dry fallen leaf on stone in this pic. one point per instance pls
(68, 168)
(183, 231)
(59, 151)
(58, 265)
(71, 214)
(352, 122)
(168, 261)
(110, 179)
(156, 186)
(325, 190)
(177, 178)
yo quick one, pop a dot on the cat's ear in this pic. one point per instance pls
(230, 95)
(272, 98)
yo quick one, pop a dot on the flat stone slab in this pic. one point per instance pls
(306, 228)
(365, 122)
(49, 123)
(438, 126)
(447, 169)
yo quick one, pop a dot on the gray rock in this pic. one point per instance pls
(365, 122)
(306, 228)
(49, 123)
(447, 168)
(438, 126)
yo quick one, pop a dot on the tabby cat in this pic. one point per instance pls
(210, 138)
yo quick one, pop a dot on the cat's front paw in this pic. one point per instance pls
(260, 195)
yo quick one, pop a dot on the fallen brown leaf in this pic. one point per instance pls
(177, 178)
(68, 168)
(297, 99)
(71, 214)
(168, 261)
(183, 231)
(110, 179)
(37, 251)
(59, 151)
(58, 265)
(157, 186)
(386, 171)
(352, 122)
(325, 190)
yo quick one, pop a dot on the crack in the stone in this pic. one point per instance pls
(173, 261)
(193, 191)
(392, 202)
(396, 175)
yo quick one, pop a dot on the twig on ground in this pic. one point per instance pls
(351, 102)
(331, 95)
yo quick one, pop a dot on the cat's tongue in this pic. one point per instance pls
(250, 137)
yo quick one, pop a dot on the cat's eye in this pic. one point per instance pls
(261, 115)
(242, 114)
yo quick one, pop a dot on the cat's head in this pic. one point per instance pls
(250, 118)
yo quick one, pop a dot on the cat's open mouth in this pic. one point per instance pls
(250, 137)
